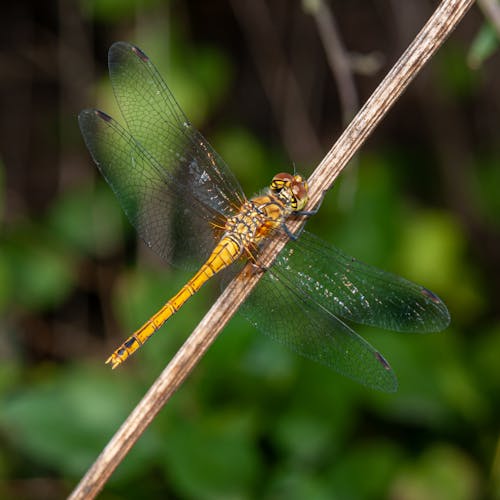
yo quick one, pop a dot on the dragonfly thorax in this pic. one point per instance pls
(260, 216)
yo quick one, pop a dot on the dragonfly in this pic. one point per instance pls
(186, 204)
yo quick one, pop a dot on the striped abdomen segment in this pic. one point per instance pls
(224, 254)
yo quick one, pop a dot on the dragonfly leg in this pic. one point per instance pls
(258, 268)
(252, 256)
(289, 233)
(314, 211)
(303, 213)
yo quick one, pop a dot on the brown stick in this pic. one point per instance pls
(426, 43)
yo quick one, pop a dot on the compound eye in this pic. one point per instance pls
(299, 191)
(280, 181)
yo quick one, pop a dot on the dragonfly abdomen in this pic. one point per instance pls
(256, 219)
(223, 255)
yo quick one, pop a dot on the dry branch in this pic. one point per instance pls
(440, 25)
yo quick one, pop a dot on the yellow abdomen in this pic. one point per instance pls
(243, 233)
(224, 254)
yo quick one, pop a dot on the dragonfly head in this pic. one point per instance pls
(291, 189)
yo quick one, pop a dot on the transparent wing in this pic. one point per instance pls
(161, 210)
(157, 122)
(291, 317)
(299, 301)
(357, 292)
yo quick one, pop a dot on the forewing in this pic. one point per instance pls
(157, 122)
(159, 209)
(289, 316)
(358, 292)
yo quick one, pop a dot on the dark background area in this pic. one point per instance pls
(253, 421)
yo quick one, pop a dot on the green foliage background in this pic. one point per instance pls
(253, 420)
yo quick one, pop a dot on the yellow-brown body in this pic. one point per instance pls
(243, 233)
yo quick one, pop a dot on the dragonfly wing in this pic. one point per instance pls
(289, 316)
(158, 208)
(358, 292)
(158, 123)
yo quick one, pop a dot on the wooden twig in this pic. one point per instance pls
(426, 43)
(340, 67)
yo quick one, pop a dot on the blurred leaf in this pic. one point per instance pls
(246, 156)
(112, 11)
(485, 183)
(197, 76)
(201, 71)
(305, 437)
(140, 292)
(317, 414)
(431, 248)
(88, 220)
(443, 472)
(484, 45)
(369, 230)
(190, 95)
(432, 253)
(2, 188)
(213, 457)
(456, 79)
(65, 421)
(267, 359)
(494, 483)
(105, 100)
(485, 356)
(6, 282)
(365, 472)
(458, 384)
(294, 484)
(42, 271)
(10, 375)
(435, 385)
(211, 69)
